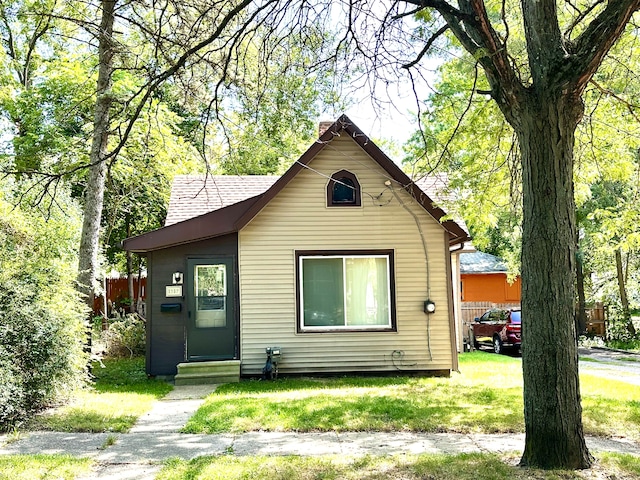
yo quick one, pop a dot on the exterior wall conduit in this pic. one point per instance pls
(426, 258)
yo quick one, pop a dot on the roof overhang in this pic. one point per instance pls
(213, 224)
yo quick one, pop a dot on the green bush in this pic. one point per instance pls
(125, 336)
(41, 316)
(618, 332)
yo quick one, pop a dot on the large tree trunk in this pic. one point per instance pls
(552, 408)
(94, 194)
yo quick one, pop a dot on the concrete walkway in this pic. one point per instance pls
(155, 438)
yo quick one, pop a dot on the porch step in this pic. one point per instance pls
(203, 373)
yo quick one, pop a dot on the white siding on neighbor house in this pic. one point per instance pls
(298, 219)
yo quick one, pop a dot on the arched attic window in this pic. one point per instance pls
(343, 190)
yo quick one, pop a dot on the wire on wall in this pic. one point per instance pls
(397, 357)
(374, 198)
(426, 258)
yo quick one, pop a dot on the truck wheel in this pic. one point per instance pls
(497, 345)
(472, 340)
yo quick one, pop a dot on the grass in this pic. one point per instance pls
(120, 393)
(631, 345)
(485, 398)
(474, 466)
(629, 359)
(407, 467)
(621, 359)
(109, 441)
(31, 467)
(590, 359)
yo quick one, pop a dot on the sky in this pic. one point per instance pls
(388, 123)
(394, 115)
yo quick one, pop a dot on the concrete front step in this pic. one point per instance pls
(204, 373)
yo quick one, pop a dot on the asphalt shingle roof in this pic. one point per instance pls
(480, 262)
(194, 195)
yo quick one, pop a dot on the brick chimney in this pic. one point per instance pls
(323, 126)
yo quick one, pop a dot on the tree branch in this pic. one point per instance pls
(630, 107)
(545, 45)
(594, 43)
(152, 85)
(426, 47)
(581, 16)
(472, 27)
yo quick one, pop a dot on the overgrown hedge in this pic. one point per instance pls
(42, 329)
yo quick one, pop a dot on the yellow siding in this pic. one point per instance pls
(298, 219)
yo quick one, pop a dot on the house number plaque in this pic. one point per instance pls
(173, 291)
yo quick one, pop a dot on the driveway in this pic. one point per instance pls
(612, 364)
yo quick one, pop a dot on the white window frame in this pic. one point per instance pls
(388, 255)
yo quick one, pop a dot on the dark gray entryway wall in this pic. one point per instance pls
(166, 331)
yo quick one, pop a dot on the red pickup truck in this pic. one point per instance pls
(498, 328)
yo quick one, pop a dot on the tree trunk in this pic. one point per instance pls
(132, 304)
(581, 314)
(94, 194)
(622, 288)
(552, 408)
(139, 309)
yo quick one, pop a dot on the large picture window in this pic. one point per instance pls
(345, 291)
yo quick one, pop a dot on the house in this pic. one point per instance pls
(485, 278)
(485, 284)
(335, 262)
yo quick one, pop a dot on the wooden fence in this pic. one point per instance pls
(116, 296)
(597, 320)
(472, 310)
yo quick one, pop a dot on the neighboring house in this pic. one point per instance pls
(484, 279)
(333, 262)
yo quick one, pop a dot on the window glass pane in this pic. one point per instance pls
(210, 285)
(367, 291)
(344, 192)
(322, 292)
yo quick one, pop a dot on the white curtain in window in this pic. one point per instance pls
(366, 291)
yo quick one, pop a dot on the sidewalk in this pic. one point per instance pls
(155, 438)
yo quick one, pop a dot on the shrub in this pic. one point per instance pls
(125, 336)
(41, 316)
(618, 332)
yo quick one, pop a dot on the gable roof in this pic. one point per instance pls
(233, 217)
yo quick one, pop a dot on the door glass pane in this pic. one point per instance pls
(210, 284)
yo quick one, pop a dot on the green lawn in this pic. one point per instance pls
(120, 393)
(406, 467)
(485, 397)
(45, 467)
